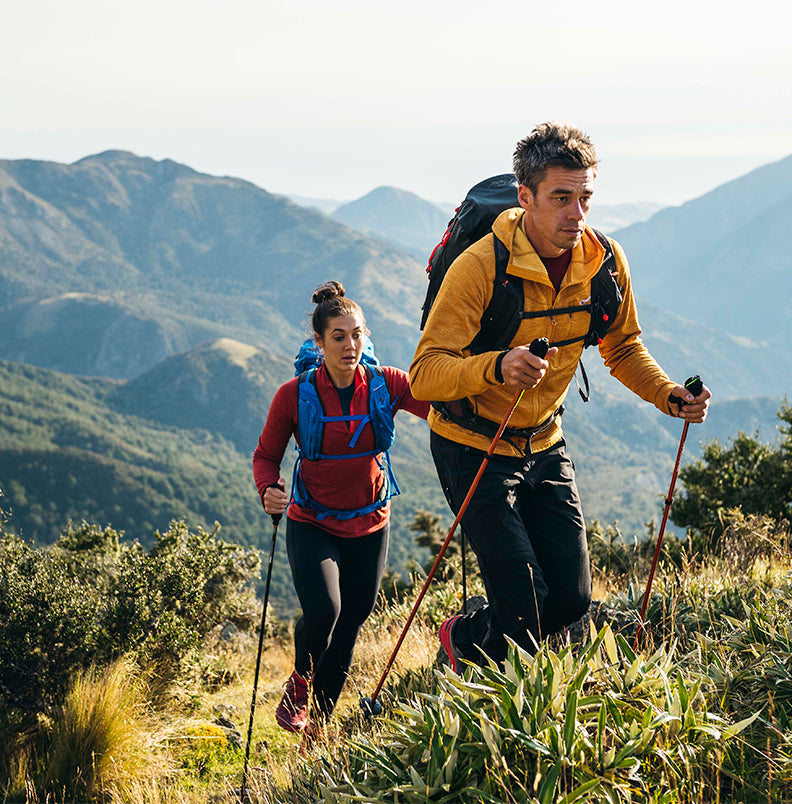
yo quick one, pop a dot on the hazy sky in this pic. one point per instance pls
(333, 98)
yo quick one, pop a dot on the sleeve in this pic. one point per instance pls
(399, 388)
(441, 370)
(624, 351)
(281, 424)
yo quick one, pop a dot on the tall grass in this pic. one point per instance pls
(702, 711)
(100, 742)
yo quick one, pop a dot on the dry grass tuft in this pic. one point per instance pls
(101, 745)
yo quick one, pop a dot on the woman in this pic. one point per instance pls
(338, 512)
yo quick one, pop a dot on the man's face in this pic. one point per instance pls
(556, 216)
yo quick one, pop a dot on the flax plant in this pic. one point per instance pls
(595, 724)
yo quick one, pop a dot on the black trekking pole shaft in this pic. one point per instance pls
(276, 518)
(464, 572)
(693, 384)
(441, 552)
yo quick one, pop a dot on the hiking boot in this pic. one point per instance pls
(443, 656)
(292, 711)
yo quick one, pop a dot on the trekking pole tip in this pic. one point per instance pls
(369, 707)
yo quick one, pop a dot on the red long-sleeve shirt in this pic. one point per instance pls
(339, 484)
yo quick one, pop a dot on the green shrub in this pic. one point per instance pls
(91, 598)
(745, 474)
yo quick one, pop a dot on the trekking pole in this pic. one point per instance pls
(276, 518)
(695, 386)
(464, 572)
(371, 706)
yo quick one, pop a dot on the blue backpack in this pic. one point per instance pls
(311, 419)
(309, 355)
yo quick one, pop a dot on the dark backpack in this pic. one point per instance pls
(473, 220)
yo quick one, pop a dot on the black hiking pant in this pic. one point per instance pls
(337, 581)
(525, 524)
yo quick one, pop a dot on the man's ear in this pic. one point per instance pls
(525, 197)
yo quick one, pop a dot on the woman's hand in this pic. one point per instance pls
(275, 499)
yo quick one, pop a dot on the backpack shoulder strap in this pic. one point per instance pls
(309, 415)
(606, 295)
(501, 320)
(380, 409)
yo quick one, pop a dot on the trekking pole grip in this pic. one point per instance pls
(539, 347)
(692, 384)
(276, 518)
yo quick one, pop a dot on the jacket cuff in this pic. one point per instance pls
(498, 367)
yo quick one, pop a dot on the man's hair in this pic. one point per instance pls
(552, 145)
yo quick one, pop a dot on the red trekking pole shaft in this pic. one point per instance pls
(538, 347)
(694, 385)
(441, 552)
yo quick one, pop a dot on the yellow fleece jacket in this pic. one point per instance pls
(443, 369)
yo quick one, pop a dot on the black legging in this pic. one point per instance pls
(337, 581)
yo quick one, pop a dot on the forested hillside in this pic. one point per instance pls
(79, 448)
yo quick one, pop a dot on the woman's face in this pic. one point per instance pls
(342, 343)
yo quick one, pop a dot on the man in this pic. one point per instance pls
(525, 521)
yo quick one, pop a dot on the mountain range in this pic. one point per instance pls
(163, 307)
(158, 250)
(416, 225)
(722, 260)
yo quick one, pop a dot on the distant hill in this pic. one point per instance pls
(192, 252)
(398, 217)
(325, 205)
(609, 218)
(100, 336)
(723, 260)
(223, 386)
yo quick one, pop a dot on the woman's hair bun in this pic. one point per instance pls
(327, 291)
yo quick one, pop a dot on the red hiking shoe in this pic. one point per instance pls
(292, 711)
(447, 642)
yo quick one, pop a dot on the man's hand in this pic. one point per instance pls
(275, 499)
(694, 409)
(521, 368)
